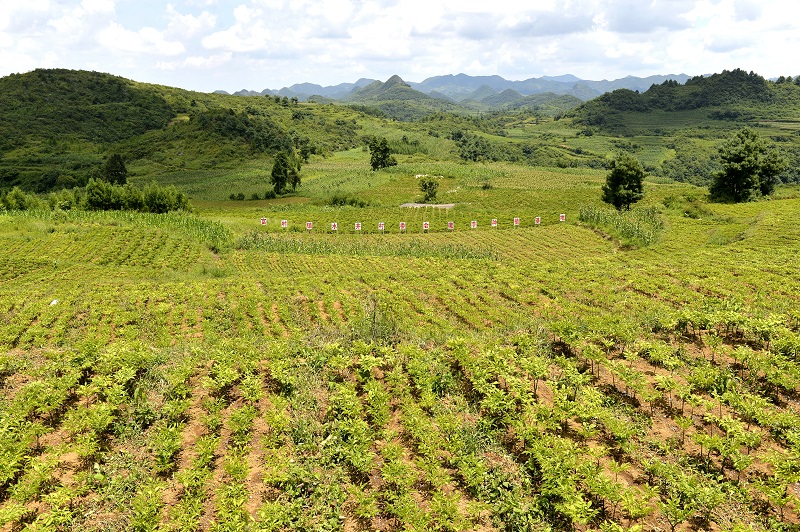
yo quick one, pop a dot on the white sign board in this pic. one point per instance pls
(473, 224)
(494, 222)
(263, 221)
(284, 224)
(334, 226)
(402, 226)
(562, 217)
(381, 226)
(358, 226)
(451, 225)
(426, 226)
(516, 222)
(537, 220)
(309, 226)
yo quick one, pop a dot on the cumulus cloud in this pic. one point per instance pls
(16, 16)
(550, 23)
(747, 10)
(643, 17)
(722, 44)
(196, 62)
(98, 6)
(247, 34)
(189, 25)
(146, 40)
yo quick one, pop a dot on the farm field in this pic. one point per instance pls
(206, 372)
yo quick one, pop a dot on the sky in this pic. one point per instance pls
(206, 45)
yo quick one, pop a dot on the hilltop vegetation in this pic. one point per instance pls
(190, 139)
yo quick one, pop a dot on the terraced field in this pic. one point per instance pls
(205, 372)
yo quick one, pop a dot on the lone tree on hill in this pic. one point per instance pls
(280, 172)
(380, 156)
(114, 170)
(624, 182)
(429, 187)
(749, 168)
(285, 172)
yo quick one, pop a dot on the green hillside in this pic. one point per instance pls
(396, 99)
(712, 102)
(85, 105)
(62, 125)
(59, 126)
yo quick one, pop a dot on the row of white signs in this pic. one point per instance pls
(425, 225)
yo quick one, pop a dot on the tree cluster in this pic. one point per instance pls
(260, 132)
(100, 195)
(749, 169)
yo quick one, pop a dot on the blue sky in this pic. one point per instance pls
(215, 44)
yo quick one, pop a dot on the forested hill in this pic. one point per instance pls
(731, 96)
(89, 105)
(57, 127)
(396, 99)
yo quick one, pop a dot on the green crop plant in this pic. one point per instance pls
(146, 507)
(240, 423)
(165, 444)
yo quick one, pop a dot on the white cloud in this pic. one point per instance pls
(727, 43)
(189, 25)
(247, 34)
(636, 16)
(98, 6)
(747, 10)
(16, 14)
(146, 40)
(196, 62)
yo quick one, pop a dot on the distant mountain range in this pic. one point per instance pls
(461, 87)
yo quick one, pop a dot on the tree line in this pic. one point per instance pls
(109, 192)
(749, 169)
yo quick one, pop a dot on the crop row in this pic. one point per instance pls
(563, 426)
